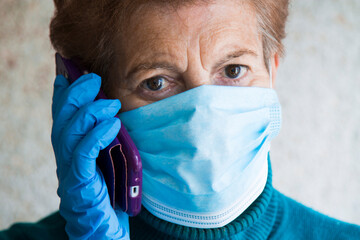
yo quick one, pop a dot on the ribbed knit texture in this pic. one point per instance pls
(51, 227)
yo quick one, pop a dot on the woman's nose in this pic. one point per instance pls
(196, 78)
(193, 83)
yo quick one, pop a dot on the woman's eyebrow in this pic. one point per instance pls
(235, 54)
(150, 66)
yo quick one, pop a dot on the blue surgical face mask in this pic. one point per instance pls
(204, 152)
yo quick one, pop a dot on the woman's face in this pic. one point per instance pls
(163, 52)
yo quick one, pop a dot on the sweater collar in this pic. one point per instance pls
(257, 220)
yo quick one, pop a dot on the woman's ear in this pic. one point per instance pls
(274, 66)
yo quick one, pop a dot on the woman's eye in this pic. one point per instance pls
(235, 71)
(155, 83)
(159, 87)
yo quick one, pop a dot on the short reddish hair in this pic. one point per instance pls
(85, 29)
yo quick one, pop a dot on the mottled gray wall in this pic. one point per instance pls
(315, 158)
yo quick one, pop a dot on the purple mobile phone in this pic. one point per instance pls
(120, 162)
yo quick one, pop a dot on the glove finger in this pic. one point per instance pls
(81, 92)
(85, 154)
(83, 121)
(60, 85)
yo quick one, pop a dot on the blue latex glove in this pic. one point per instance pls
(81, 128)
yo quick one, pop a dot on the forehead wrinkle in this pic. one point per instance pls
(167, 55)
(216, 41)
(162, 40)
(193, 31)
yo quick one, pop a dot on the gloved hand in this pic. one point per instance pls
(81, 128)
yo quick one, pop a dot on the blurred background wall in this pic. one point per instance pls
(316, 158)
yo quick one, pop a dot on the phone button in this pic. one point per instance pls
(134, 191)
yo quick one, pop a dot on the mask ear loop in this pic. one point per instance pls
(270, 76)
(270, 73)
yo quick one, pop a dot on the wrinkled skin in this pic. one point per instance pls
(163, 52)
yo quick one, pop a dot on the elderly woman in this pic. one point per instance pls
(196, 84)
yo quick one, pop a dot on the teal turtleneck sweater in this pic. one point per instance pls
(271, 216)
